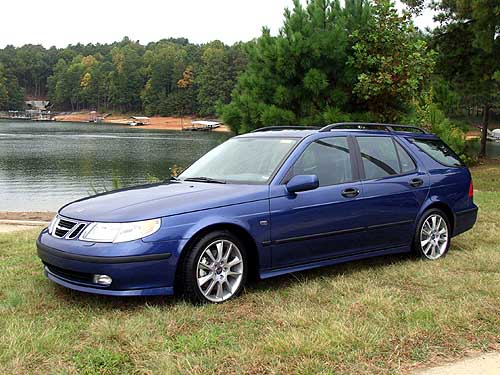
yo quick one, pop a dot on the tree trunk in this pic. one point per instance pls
(484, 133)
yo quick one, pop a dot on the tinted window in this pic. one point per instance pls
(379, 157)
(329, 159)
(438, 150)
(407, 164)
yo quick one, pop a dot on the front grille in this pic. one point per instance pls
(77, 231)
(60, 233)
(69, 274)
(66, 224)
(67, 228)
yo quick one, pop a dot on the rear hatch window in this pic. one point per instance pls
(439, 151)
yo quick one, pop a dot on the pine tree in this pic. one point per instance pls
(302, 74)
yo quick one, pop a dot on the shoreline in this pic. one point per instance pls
(155, 122)
(27, 216)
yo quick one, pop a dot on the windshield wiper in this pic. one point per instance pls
(170, 180)
(205, 179)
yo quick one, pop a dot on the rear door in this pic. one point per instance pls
(321, 223)
(394, 188)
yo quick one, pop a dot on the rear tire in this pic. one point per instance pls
(433, 235)
(215, 269)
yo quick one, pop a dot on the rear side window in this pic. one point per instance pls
(383, 157)
(439, 151)
(407, 163)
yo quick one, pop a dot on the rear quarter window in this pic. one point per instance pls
(439, 151)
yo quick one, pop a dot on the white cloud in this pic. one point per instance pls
(424, 20)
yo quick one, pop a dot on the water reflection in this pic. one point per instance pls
(493, 150)
(44, 165)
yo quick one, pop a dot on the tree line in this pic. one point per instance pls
(355, 60)
(125, 76)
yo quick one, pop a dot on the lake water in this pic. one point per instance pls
(493, 149)
(44, 165)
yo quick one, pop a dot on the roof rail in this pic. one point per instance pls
(285, 127)
(364, 125)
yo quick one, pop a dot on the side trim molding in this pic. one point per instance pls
(402, 222)
(334, 233)
(317, 235)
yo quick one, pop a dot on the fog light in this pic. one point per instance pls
(104, 280)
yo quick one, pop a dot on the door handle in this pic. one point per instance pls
(416, 182)
(350, 193)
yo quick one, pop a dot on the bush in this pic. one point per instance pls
(429, 116)
(231, 116)
(333, 115)
(364, 117)
(273, 115)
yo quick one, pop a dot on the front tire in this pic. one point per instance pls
(432, 238)
(215, 269)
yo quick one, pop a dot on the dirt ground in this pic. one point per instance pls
(471, 134)
(485, 364)
(156, 122)
(8, 228)
(33, 216)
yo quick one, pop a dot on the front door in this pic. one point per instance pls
(321, 223)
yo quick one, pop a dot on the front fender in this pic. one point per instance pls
(252, 217)
(216, 220)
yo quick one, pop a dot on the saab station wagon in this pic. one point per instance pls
(266, 203)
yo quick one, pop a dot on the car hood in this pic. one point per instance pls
(159, 200)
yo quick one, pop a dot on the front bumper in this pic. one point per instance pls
(137, 268)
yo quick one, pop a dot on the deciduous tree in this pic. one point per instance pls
(393, 62)
(468, 42)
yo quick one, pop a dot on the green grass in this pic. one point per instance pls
(385, 315)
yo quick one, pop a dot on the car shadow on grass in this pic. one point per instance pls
(333, 271)
(129, 304)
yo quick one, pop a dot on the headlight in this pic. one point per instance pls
(120, 232)
(52, 223)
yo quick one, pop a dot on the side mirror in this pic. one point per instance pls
(302, 183)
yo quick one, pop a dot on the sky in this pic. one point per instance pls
(63, 22)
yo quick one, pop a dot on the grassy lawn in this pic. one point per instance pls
(385, 315)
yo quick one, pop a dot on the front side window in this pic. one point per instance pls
(327, 158)
(439, 151)
(242, 160)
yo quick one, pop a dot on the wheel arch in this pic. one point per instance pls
(443, 207)
(239, 231)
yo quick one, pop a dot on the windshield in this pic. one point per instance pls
(243, 160)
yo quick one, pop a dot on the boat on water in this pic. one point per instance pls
(138, 121)
(493, 135)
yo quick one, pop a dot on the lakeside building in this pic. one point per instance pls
(37, 110)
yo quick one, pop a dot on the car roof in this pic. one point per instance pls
(340, 129)
(284, 133)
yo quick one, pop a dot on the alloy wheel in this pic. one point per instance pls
(434, 237)
(219, 271)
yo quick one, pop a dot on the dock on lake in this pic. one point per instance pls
(202, 125)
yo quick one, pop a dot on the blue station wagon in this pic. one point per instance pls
(274, 201)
